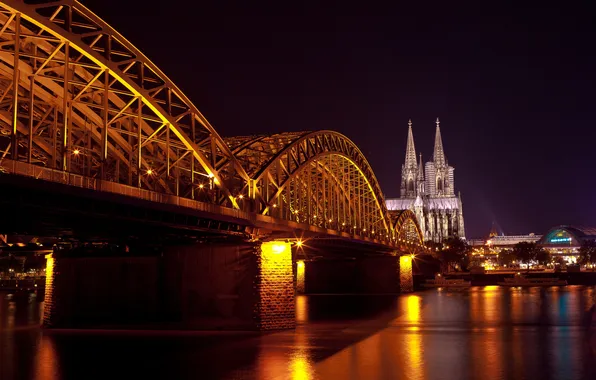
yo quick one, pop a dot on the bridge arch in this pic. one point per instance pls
(81, 98)
(407, 229)
(77, 97)
(320, 178)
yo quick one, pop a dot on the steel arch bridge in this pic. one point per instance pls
(77, 98)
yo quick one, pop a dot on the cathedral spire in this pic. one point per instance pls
(438, 154)
(421, 169)
(410, 149)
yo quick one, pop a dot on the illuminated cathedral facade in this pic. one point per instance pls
(429, 191)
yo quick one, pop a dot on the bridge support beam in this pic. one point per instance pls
(406, 278)
(274, 284)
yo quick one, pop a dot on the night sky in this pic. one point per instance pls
(515, 89)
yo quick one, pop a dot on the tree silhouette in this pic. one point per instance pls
(451, 252)
(587, 252)
(526, 252)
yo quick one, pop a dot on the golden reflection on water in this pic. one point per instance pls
(301, 365)
(301, 309)
(413, 365)
(46, 360)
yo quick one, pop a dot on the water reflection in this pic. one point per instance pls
(301, 309)
(46, 362)
(414, 360)
(301, 365)
(489, 333)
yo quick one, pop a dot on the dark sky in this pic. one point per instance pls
(515, 88)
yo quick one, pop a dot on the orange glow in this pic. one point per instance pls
(301, 309)
(277, 282)
(49, 280)
(300, 277)
(46, 359)
(276, 248)
(149, 171)
(299, 243)
(76, 151)
(241, 196)
(406, 281)
(274, 253)
(413, 308)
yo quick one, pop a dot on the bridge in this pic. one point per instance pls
(87, 118)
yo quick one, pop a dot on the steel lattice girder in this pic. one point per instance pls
(407, 228)
(89, 102)
(321, 178)
(78, 97)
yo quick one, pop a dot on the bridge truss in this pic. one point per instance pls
(77, 97)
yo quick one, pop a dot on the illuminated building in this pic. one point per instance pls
(429, 191)
(565, 241)
(504, 241)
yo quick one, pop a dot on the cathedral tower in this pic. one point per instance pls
(429, 191)
(439, 175)
(411, 175)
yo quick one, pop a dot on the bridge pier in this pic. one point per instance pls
(217, 286)
(406, 278)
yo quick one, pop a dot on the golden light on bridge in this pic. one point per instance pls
(300, 270)
(276, 288)
(149, 171)
(76, 152)
(276, 247)
(406, 281)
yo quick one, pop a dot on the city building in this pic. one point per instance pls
(429, 191)
(504, 241)
(565, 241)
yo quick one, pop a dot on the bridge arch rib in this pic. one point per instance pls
(407, 229)
(78, 97)
(320, 178)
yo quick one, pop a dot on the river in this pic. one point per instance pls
(478, 333)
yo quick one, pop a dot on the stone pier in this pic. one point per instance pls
(406, 278)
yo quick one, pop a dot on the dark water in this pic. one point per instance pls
(478, 333)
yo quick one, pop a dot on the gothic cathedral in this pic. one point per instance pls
(429, 191)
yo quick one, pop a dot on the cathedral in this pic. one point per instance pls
(429, 191)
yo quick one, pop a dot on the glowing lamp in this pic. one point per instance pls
(278, 248)
(299, 244)
(76, 151)
(149, 171)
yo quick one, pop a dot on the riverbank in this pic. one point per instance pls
(481, 279)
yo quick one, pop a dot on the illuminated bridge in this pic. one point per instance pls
(86, 114)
